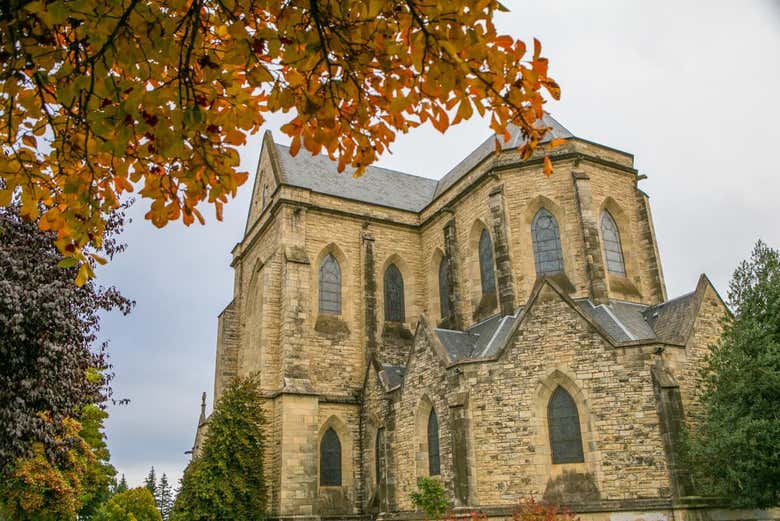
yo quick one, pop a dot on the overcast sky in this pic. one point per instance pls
(692, 89)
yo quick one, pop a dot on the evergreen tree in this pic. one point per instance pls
(165, 497)
(151, 484)
(121, 486)
(735, 445)
(226, 480)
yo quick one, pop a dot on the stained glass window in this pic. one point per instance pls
(330, 286)
(564, 424)
(486, 270)
(547, 243)
(444, 294)
(394, 294)
(613, 252)
(434, 465)
(330, 460)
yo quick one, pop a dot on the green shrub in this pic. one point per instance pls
(430, 498)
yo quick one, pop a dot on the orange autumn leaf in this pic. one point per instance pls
(548, 168)
(155, 97)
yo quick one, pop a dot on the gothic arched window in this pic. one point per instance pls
(379, 454)
(547, 243)
(394, 294)
(330, 285)
(613, 252)
(444, 294)
(564, 425)
(264, 200)
(434, 465)
(487, 272)
(330, 459)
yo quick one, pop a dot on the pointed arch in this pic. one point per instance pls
(379, 455)
(545, 420)
(394, 294)
(613, 249)
(563, 422)
(330, 459)
(434, 462)
(487, 272)
(444, 287)
(330, 285)
(546, 238)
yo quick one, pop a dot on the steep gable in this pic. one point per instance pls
(267, 180)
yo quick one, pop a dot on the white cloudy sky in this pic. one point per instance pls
(691, 88)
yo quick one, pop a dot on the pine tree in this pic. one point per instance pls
(151, 484)
(165, 498)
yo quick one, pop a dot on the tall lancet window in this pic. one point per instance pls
(434, 464)
(379, 454)
(547, 243)
(330, 459)
(444, 292)
(330, 286)
(394, 294)
(487, 272)
(264, 199)
(564, 425)
(613, 251)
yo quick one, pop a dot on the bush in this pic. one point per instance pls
(136, 504)
(430, 498)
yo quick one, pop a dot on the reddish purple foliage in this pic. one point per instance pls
(48, 332)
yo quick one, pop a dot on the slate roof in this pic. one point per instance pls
(483, 339)
(394, 374)
(621, 321)
(488, 146)
(385, 187)
(377, 185)
(672, 319)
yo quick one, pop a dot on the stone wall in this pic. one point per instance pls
(612, 387)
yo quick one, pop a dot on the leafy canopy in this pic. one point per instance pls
(48, 332)
(136, 504)
(37, 489)
(226, 480)
(735, 447)
(99, 98)
(430, 498)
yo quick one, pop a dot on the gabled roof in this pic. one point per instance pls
(382, 186)
(621, 324)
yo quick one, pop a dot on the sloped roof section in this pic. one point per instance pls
(480, 340)
(379, 186)
(673, 319)
(488, 146)
(385, 187)
(394, 374)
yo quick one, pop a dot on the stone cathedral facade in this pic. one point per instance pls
(505, 332)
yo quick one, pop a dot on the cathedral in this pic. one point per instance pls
(504, 332)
